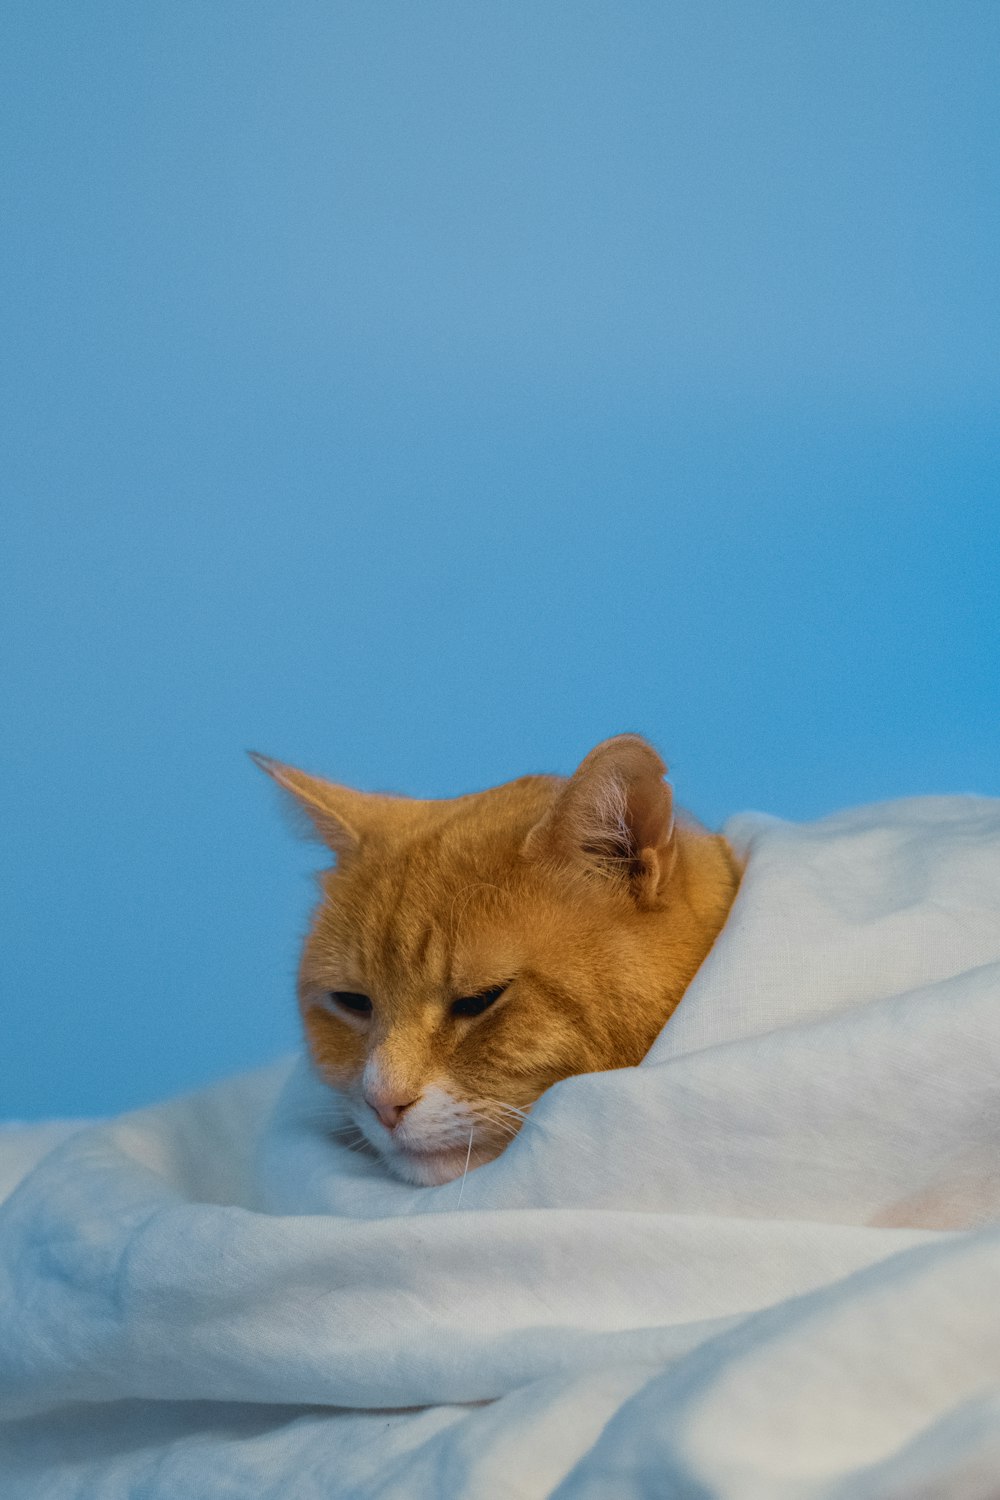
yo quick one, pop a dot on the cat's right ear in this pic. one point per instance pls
(333, 812)
(614, 818)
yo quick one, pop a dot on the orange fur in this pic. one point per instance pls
(583, 896)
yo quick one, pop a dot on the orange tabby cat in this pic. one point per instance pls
(470, 952)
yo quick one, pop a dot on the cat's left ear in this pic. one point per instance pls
(614, 817)
(336, 813)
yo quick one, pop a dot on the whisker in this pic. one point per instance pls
(499, 1123)
(361, 1145)
(465, 896)
(316, 1117)
(524, 1118)
(511, 1108)
(465, 1174)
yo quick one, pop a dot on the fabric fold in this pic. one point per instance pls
(764, 1263)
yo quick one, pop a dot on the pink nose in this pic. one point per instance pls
(388, 1109)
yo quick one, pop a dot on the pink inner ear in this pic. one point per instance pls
(621, 785)
(650, 813)
(614, 807)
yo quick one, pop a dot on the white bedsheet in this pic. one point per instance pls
(765, 1264)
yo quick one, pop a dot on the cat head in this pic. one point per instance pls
(470, 952)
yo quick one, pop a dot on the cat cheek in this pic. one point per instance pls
(337, 1050)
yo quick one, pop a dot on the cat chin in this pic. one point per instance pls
(429, 1168)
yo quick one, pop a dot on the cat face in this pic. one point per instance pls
(469, 953)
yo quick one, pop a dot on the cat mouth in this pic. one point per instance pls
(429, 1153)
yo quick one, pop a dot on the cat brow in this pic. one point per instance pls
(553, 990)
(422, 944)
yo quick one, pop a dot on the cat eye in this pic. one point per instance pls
(358, 1005)
(474, 1005)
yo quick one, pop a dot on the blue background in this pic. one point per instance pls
(420, 393)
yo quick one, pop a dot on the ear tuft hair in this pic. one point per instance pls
(613, 818)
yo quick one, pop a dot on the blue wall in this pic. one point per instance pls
(421, 393)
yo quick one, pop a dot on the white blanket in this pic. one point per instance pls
(764, 1264)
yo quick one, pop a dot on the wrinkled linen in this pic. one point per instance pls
(766, 1263)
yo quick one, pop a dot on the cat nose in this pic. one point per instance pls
(388, 1108)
